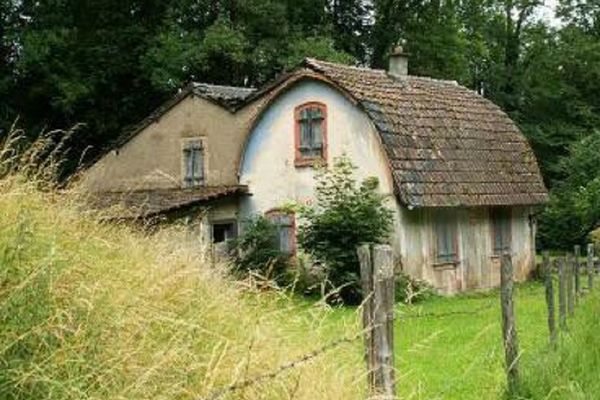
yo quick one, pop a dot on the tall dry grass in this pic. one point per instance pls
(92, 310)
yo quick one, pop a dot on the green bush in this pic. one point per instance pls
(256, 251)
(344, 215)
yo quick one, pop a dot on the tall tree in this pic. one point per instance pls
(9, 28)
(351, 25)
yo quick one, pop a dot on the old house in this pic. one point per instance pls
(460, 177)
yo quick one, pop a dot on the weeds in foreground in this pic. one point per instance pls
(90, 310)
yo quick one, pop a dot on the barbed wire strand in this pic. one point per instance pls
(219, 393)
(283, 368)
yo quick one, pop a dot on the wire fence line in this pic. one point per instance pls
(475, 311)
(219, 393)
(261, 378)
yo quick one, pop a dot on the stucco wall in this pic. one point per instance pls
(268, 168)
(268, 162)
(153, 158)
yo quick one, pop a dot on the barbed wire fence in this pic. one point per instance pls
(261, 378)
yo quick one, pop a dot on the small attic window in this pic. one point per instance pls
(310, 134)
(193, 163)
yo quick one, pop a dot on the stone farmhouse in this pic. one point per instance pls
(459, 175)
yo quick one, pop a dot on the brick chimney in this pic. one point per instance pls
(398, 64)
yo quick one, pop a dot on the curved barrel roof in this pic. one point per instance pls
(446, 145)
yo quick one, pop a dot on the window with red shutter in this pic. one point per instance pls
(311, 134)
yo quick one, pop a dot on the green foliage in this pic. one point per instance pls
(574, 209)
(256, 251)
(322, 48)
(345, 214)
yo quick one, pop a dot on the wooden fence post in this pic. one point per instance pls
(577, 250)
(366, 278)
(570, 284)
(590, 265)
(547, 269)
(562, 295)
(377, 279)
(509, 329)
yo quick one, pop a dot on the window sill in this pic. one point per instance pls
(497, 256)
(192, 185)
(446, 265)
(310, 162)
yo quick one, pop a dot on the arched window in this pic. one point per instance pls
(311, 134)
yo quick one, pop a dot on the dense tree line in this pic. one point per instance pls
(107, 63)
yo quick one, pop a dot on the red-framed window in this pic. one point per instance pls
(500, 218)
(285, 223)
(310, 134)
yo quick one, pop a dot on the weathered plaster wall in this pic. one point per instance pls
(153, 158)
(268, 168)
(268, 162)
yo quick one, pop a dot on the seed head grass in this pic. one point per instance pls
(95, 310)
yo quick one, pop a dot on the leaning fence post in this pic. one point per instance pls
(562, 295)
(570, 285)
(509, 329)
(577, 250)
(547, 269)
(590, 265)
(377, 279)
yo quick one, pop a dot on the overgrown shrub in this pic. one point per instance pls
(595, 237)
(344, 215)
(409, 290)
(256, 251)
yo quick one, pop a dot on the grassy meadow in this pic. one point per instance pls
(93, 310)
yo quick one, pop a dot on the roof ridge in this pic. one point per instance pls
(315, 62)
(196, 84)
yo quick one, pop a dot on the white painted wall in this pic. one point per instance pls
(268, 162)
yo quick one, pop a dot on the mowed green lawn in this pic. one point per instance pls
(451, 347)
